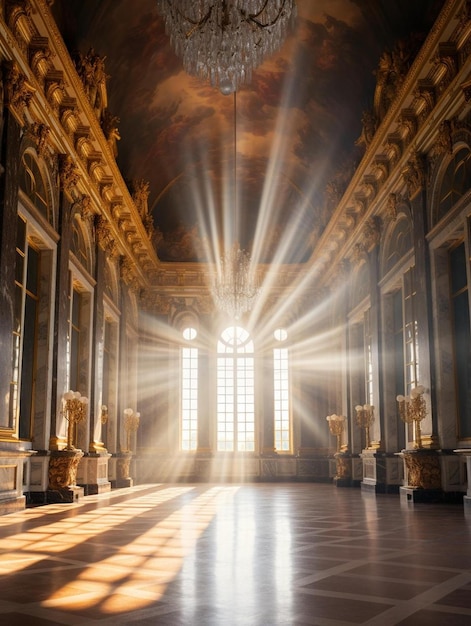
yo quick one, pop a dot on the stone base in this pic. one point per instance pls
(93, 490)
(13, 505)
(343, 482)
(121, 483)
(416, 494)
(367, 487)
(36, 498)
(66, 495)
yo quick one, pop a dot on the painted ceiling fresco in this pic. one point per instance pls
(295, 126)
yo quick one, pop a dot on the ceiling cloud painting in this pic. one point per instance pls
(268, 161)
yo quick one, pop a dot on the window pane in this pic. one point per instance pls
(189, 402)
(281, 400)
(235, 392)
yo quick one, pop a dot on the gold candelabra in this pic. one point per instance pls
(74, 411)
(413, 410)
(131, 424)
(365, 417)
(336, 427)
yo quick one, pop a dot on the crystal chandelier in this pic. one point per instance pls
(224, 40)
(235, 289)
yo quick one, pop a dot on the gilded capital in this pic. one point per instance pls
(68, 172)
(359, 253)
(372, 232)
(19, 92)
(391, 206)
(83, 205)
(39, 133)
(414, 174)
(444, 142)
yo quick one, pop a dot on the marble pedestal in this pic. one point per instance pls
(382, 472)
(120, 470)
(422, 476)
(343, 469)
(92, 473)
(62, 476)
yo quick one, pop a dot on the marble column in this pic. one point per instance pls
(61, 323)
(423, 308)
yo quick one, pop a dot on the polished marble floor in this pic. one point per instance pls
(227, 554)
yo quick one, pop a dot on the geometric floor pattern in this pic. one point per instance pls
(284, 554)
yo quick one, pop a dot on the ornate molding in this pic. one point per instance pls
(157, 303)
(18, 19)
(444, 141)
(414, 174)
(381, 168)
(91, 70)
(127, 273)
(408, 125)
(83, 206)
(104, 235)
(63, 469)
(394, 148)
(391, 206)
(54, 89)
(425, 99)
(40, 56)
(68, 172)
(39, 134)
(445, 65)
(342, 272)
(372, 232)
(423, 470)
(19, 92)
(68, 113)
(109, 125)
(369, 126)
(359, 254)
(368, 186)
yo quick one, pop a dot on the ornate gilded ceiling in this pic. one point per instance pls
(299, 130)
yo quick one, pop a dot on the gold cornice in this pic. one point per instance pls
(443, 31)
(64, 96)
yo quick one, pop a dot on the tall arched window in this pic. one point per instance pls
(189, 409)
(282, 424)
(456, 182)
(25, 333)
(235, 391)
(33, 183)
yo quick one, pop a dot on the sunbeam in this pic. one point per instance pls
(166, 523)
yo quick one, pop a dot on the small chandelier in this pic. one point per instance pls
(235, 288)
(224, 40)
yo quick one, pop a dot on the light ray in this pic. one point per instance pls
(131, 576)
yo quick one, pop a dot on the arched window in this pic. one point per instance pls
(398, 243)
(456, 181)
(189, 393)
(281, 394)
(79, 245)
(33, 183)
(25, 332)
(235, 391)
